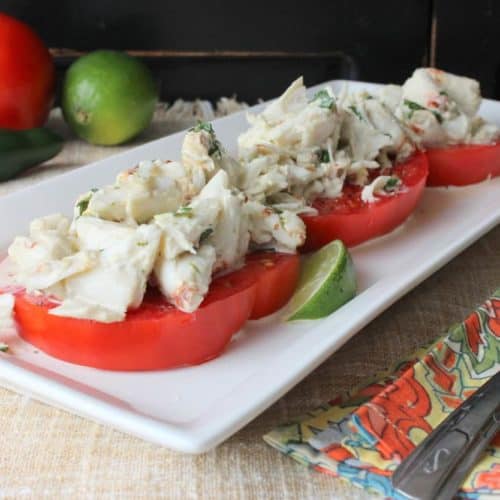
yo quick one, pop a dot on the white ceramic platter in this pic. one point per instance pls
(193, 409)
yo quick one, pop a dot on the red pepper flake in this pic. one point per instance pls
(416, 129)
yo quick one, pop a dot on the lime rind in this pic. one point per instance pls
(108, 97)
(327, 281)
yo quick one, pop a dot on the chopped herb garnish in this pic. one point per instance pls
(203, 126)
(195, 268)
(184, 212)
(82, 205)
(324, 156)
(205, 234)
(3, 347)
(391, 184)
(142, 243)
(355, 111)
(415, 106)
(443, 92)
(438, 116)
(215, 147)
(277, 210)
(325, 99)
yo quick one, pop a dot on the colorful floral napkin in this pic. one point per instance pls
(362, 436)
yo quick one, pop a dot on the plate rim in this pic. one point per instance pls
(196, 437)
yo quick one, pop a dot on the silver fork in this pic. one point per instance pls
(437, 467)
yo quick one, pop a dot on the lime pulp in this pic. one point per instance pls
(327, 281)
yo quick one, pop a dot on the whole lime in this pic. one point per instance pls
(108, 97)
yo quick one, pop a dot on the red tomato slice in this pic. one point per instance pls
(354, 221)
(152, 337)
(277, 275)
(462, 165)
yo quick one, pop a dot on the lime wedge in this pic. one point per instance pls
(326, 282)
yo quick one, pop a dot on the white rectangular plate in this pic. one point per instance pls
(195, 408)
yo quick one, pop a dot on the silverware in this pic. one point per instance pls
(437, 467)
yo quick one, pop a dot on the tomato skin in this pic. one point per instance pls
(277, 276)
(153, 337)
(353, 221)
(157, 335)
(463, 164)
(27, 80)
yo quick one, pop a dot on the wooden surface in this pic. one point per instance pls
(48, 453)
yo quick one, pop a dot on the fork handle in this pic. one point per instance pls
(422, 474)
(456, 477)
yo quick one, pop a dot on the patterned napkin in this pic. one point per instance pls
(362, 436)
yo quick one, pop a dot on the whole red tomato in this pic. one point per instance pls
(27, 76)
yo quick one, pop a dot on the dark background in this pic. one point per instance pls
(255, 48)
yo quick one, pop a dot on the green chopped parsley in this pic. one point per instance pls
(3, 347)
(324, 156)
(415, 106)
(83, 204)
(438, 116)
(391, 184)
(356, 112)
(412, 105)
(215, 147)
(325, 100)
(184, 212)
(203, 127)
(142, 243)
(205, 234)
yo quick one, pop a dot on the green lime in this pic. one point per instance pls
(327, 281)
(108, 97)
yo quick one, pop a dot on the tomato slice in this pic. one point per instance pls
(354, 221)
(154, 336)
(277, 275)
(463, 164)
